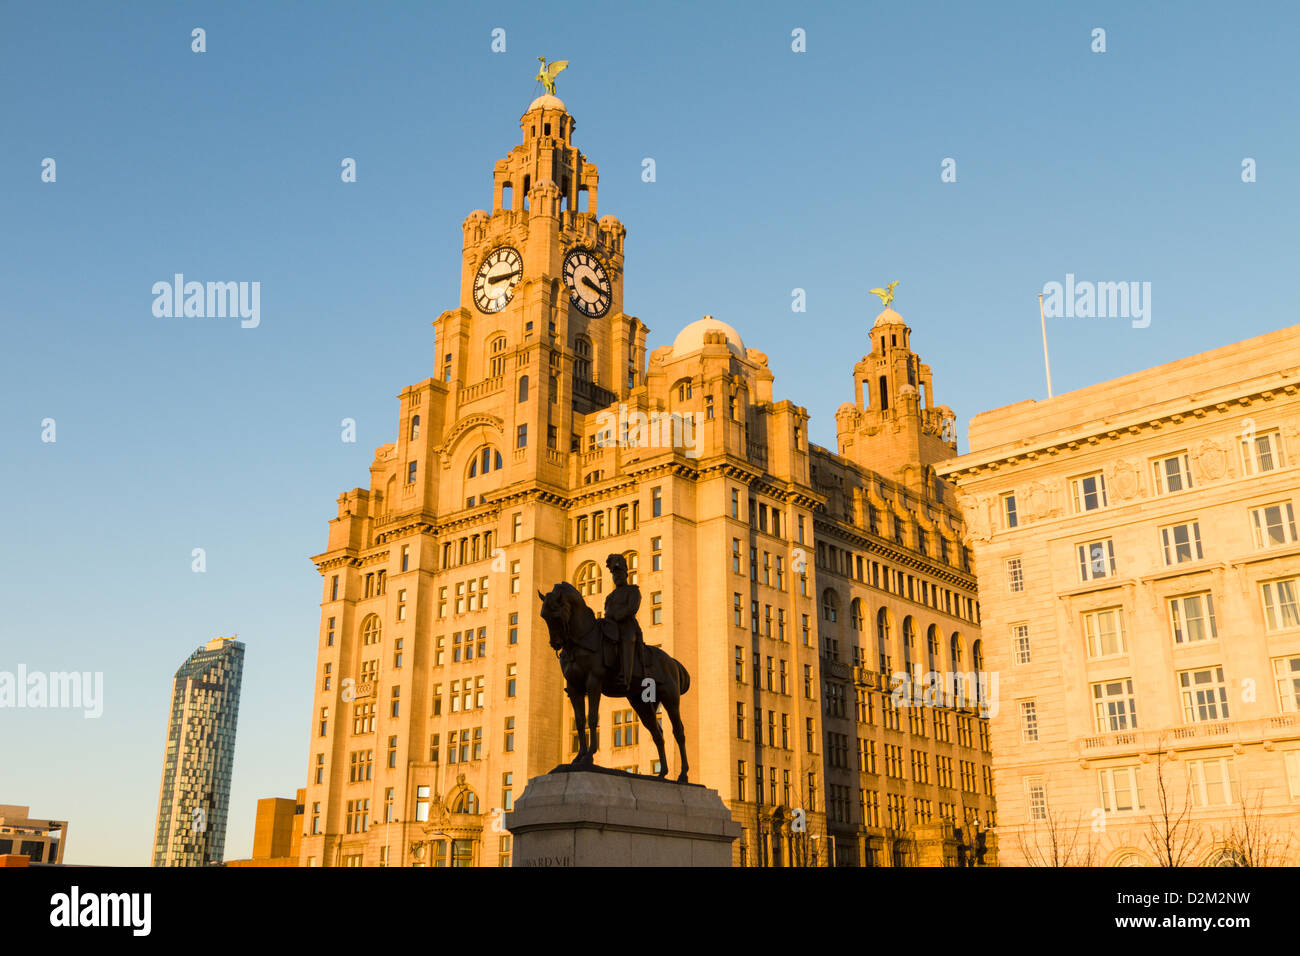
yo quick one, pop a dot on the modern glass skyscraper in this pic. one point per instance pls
(200, 754)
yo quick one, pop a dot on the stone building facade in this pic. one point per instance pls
(549, 439)
(1138, 560)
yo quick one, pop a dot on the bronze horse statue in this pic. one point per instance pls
(656, 677)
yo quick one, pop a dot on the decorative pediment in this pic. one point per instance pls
(468, 423)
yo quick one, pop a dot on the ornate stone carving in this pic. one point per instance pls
(1210, 461)
(975, 515)
(1037, 502)
(1126, 480)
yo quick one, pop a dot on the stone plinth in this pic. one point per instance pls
(610, 818)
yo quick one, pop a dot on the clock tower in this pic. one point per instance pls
(541, 299)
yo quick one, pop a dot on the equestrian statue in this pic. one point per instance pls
(608, 656)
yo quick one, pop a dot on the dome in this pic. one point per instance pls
(547, 101)
(889, 317)
(691, 338)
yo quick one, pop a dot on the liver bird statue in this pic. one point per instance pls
(547, 74)
(886, 294)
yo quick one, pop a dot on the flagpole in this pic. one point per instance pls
(1047, 362)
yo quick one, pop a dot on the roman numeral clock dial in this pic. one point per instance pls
(588, 284)
(497, 277)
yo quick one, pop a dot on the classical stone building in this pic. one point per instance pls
(194, 799)
(774, 570)
(1138, 561)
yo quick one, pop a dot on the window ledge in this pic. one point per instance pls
(1187, 567)
(1272, 554)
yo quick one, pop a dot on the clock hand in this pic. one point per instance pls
(591, 285)
(493, 280)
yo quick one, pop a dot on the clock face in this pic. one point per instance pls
(496, 280)
(588, 284)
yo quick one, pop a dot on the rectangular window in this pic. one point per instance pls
(1028, 721)
(736, 610)
(1274, 525)
(1286, 676)
(1212, 781)
(1261, 453)
(1181, 542)
(1104, 631)
(1120, 791)
(521, 436)
(656, 607)
(1205, 695)
(406, 557)
(401, 604)
(1291, 759)
(1096, 559)
(1008, 512)
(411, 467)
(1114, 705)
(1280, 604)
(1036, 796)
(1171, 474)
(1015, 576)
(1088, 492)
(656, 502)
(735, 555)
(656, 554)
(1020, 642)
(1192, 617)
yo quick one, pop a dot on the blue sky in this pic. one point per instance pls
(775, 170)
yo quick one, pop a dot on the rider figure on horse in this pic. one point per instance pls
(620, 613)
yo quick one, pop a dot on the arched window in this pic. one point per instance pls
(1227, 856)
(588, 579)
(830, 606)
(466, 802)
(884, 637)
(582, 359)
(484, 460)
(684, 390)
(372, 631)
(631, 559)
(954, 649)
(415, 427)
(884, 393)
(856, 614)
(523, 388)
(497, 357)
(977, 655)
(909, 647)
(932, 648)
